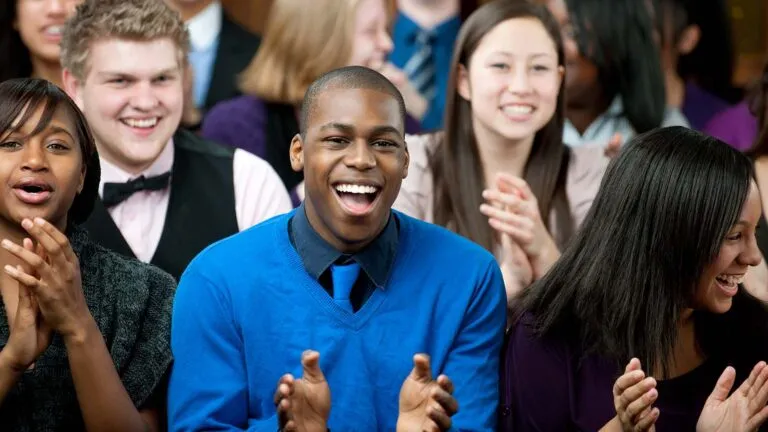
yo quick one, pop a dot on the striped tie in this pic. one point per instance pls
(420, 68)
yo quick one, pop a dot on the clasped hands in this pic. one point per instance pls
(634, 395)
(304, 404)
(50, 295)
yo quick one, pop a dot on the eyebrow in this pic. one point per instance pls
(126, 74)
(534, 55)
(376, 130)
(58, 129)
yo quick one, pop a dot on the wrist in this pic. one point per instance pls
(545, 259)
(81, 333)
(9, 364)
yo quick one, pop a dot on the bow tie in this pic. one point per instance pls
(115, 193)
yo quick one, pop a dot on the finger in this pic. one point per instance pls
(759, 381)
(760, 397)
(60, 238)
(513, 182)
(310, 361)
(647, 420)
(30, 258)
(626, 381)
(445, 383)
(284, 414)
(53, 249)
(633, 365)
(723, 386)
(23, 278)
(284, 388)
(758, 419)
(521, 236)
(437, 414)
(449, 403)
(646, 400)
(745, 387)
(421, 370)
(507, 215)
(511, 202)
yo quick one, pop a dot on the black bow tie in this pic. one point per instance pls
(115, 193)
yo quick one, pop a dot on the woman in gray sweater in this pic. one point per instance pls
(84, 333)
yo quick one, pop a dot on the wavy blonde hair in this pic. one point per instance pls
(136, 20)
(302, 41)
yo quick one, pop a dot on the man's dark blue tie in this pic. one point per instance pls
(344, 277)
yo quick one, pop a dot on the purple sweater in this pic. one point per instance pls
(545, 387)
(736, 126)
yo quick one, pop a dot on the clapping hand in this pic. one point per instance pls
(744, 410)
(304, 404)
(425, 404)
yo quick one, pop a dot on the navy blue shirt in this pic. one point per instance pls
(404, 38)
(375, 260)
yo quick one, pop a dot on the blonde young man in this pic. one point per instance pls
(165, 193)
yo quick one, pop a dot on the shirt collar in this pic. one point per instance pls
(110, 173)
(204, 28)
(317, 255)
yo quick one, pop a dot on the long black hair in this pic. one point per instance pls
(23, 97)
(617, 36)
(456, 165)
(15, 59)
(663, 210)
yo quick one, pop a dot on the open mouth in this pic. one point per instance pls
(518, 111)
(729, 283)
(357, 199)
(142, 125)
(33, 192)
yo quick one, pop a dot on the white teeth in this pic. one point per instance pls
(518, 109)
(730, 280)
(356, 189)
(54, 30)
(145, 123)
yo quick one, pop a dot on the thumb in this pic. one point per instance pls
(633, 365)
(723, 386)
(310, 361)
(25, 295)
(421, 369)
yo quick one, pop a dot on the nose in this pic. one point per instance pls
(751, 256)
(144, 98)
(518, 81)
(34, 158)
(385, 42)
(359, 156)
(56, 7)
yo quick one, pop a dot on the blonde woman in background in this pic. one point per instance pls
(302, 41)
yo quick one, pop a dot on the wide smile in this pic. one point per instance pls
(729, 283)
(518, 112)
(143, 127)
(33, 191)
(357, 199)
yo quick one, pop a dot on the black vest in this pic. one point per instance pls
(201, 209)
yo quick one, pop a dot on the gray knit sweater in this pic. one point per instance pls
(131, 303)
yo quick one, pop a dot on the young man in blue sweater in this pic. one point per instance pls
(363, 286)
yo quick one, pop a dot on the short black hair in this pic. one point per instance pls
(22, 97)
(15, 59)
(349, 77)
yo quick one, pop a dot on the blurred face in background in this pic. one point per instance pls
(40, 22)
(371, 42)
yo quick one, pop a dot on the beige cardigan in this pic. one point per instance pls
(585, 171)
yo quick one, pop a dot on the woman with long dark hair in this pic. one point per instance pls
(499, 173)
(84, 333)
(615, 83)
(651, 281)
(30, 33)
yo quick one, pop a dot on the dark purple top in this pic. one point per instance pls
(700, 106)
(545, 388)
(735, 125)
(242, 122)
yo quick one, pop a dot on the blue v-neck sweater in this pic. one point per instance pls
(246, 309)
